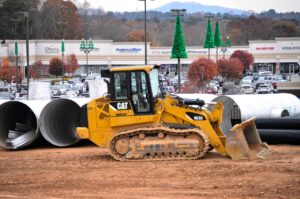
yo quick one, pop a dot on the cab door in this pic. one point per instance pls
(131, 98)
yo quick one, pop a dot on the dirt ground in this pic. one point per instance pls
(89, 172)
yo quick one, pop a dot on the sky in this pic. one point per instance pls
(255, 5)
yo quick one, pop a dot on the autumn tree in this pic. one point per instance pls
(230, 69)
(38, 69)
(59, 19)
(246, 58)
(9, 73)
(55, 66)
(5, 70)
(201, 71)
(136, 36)
(72, 64)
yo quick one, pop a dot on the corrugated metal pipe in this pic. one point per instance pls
(59, 120)
(19, 123)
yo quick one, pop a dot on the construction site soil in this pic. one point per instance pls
(87, 171)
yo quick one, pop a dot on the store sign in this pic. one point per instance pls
(51, 50)
(265, 48)
(290, 48)
(168, 52)
(196, 51)
(128, 50)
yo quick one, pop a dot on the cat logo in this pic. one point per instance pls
(122, 105)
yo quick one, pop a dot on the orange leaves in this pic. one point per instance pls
(246, 58)
(136, 36)
(72, 64)
(202, 71)
(230, 69)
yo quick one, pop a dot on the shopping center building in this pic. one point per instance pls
(281, 55)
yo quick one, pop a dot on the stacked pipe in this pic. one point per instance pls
(279, 130)
(238, 108)
(23, 121)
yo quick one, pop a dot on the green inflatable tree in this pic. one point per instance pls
(179, 50)
(209, 40)
(218, 39)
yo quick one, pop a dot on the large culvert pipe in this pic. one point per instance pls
(278, 123)
(238, 108)
(59, 119)
(280, 136)
(18, 123)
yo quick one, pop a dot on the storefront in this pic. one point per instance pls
(281, 55)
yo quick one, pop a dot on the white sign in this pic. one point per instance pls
(51, 50)
(128, 50)
(122, 105)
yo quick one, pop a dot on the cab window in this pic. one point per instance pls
(140, 92)
(120, 86)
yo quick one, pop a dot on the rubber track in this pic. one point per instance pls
(151, 130)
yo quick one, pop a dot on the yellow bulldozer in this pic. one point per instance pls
(137, 121)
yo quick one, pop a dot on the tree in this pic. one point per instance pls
(179, 50)
(59, 19)
(55, 66)
(217, 39)
(8, 72)
(209, 40)
(38, 69)
(202, 71)
(5, 70)
(8, 10)
(136, 36)
(246, 58)
(72, 64)
(230, 69)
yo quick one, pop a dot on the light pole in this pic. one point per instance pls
(26, 16)
(87, 46)
(17, 59)
(225, 46)
(62, 59)
(145, 29)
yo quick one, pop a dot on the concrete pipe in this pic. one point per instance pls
(59, 120)
(238, 108)
(19, 123)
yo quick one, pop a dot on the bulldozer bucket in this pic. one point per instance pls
(243, 142)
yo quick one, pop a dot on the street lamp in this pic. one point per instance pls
(26, 16)
(17, 59)
(145, 21)
(86, 46)
(225, 46)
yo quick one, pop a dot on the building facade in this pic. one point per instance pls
(281, 55)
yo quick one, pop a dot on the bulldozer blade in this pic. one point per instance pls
(243, 142)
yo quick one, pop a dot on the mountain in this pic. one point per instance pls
(197, 7)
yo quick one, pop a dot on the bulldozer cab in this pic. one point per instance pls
(134, 88)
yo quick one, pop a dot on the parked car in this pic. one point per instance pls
(247, 80)
(247, 89)
(263, 89)
(210, 90)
